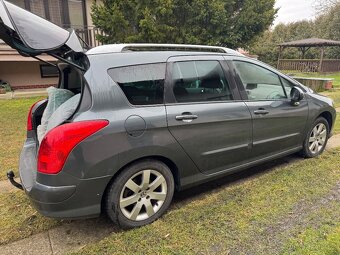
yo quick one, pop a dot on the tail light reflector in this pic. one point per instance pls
(59, 142)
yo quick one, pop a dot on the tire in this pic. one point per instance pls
(127, 195)
(309, 151)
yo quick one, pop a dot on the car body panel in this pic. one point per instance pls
(96, 161)
(220, 137)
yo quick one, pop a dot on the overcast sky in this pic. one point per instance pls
(294, 10)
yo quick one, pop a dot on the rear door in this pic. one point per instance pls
(32, 35)
(278, 125)
(205, 113)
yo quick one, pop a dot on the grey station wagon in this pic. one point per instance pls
(130, 124)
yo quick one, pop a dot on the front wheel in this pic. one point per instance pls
(316, 139)
(140, 194)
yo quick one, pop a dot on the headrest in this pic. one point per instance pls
(212, 83)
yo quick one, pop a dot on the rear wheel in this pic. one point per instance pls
(316, 139)
(140, 194)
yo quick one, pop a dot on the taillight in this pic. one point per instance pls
(29, 117)
(59, 142)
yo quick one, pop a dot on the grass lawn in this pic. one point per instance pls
(335, 76)
(18, 219)
(13, 117)
(293, 209)
(290, 209)
(335, 95)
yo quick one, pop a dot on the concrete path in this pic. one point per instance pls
(333, 142)
(72, 236)
(24, 93)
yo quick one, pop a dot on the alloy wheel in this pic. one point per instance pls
(143, 195)
(317, 138)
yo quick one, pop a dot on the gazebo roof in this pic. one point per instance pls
(311, 42)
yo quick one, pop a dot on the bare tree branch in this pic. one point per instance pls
(322, 6)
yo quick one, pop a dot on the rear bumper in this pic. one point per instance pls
(84, 202)
(78, 199)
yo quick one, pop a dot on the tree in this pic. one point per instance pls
(266, 46)
(330, 28)
(322, 6)
(232, 23)
(326, 25)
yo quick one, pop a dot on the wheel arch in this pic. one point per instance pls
(328, 116)
(168, 162)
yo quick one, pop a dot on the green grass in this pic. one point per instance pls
(335, 95)
(323, 238)
(13, 116)
(323, 241)
(335, 76)
(242, 218)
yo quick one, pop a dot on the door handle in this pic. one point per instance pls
(186, 117)
(261, 112)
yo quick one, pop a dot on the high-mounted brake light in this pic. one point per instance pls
(59, 142)
(29, 117)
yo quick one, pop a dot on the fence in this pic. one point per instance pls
(309, 65)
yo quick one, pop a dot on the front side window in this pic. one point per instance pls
(141, 84)
(199, 81)
(287, 86)
(258, 82)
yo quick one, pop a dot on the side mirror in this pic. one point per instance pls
(296, 95)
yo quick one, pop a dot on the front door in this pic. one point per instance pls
(205, 113)
(278, 125)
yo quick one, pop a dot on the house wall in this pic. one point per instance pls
(88, 10)
(21, 75)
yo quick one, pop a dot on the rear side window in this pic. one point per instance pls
(200, 81)
(141, 84)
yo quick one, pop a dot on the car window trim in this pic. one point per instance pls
(170, 98)
(123, 93)
(244, 95)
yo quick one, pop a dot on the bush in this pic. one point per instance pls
(6, 86)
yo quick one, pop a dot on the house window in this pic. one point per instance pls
(37, 7)
(76, 16)
(64, 13)
(20, 3)
(48, 71)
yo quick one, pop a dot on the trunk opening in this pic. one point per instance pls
(70, 79)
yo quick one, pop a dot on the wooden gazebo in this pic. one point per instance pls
(309, 65)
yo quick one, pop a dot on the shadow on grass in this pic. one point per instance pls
(186, 196)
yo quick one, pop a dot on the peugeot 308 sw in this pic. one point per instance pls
(142, 121)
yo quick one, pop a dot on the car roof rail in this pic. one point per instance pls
(111, 48)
